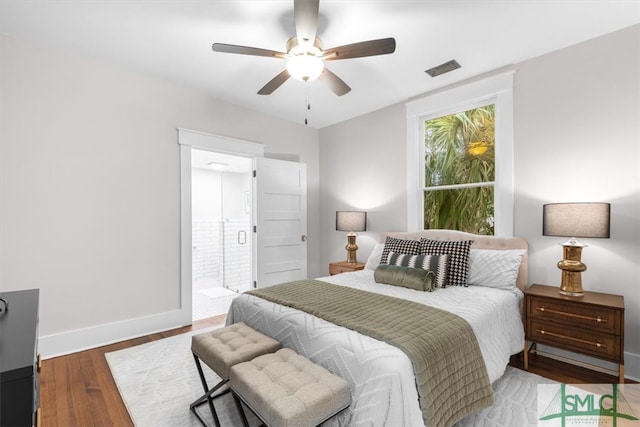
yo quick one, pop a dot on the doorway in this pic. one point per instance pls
(221, 194)
(282, 195)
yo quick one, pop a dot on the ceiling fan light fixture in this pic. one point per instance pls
(305, 66)
(305, 55)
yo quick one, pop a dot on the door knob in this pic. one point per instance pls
(303, 238)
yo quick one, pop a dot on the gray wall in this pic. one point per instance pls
(576, 133)
(90, 184)
(362, 167)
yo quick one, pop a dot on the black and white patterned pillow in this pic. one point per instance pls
(401, 246)
(458, 251)
(437, 263)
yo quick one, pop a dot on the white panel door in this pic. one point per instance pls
(280, 213)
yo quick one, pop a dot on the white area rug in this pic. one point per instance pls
(158, 381)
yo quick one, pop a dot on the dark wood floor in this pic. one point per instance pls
(78, 390)
(562, 372)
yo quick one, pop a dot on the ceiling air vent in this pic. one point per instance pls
(443, 68)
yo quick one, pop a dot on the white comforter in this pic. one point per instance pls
(381, 376)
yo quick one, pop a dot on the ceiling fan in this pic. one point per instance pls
(305, 55)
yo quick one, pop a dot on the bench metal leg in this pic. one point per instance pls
(243, 417)
(207, 396)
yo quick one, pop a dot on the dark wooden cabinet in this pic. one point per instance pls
(19, 360)
(592, 324)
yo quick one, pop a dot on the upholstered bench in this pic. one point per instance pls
(221, 349)
(285, 389)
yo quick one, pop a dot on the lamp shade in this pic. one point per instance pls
(576, 219)
(351, 221)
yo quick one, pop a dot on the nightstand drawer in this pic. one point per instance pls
(575, 314)
(344, 267)
(592, 324)
(597, 344)
(337, 269)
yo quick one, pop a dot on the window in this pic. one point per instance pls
(459, 170)
(460, 157)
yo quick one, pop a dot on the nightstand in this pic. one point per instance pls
(344, 267)
(592, 325)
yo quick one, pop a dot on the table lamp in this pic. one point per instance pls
(575, 220)
(351, 221)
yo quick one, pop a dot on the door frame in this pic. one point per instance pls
(188, 139)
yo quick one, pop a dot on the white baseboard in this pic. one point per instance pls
(109, 333)
(632, 366)
(631, 361)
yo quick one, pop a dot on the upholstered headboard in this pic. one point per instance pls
(479, 242)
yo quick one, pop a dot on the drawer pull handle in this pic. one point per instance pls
(596, 344)
(577, 316)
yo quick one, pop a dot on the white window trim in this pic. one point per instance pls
(498, 87)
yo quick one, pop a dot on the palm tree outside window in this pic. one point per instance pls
(459, 176)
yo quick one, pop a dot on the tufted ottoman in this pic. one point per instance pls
(221, 349)
(285, 389)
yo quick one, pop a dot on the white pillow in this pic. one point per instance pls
(494, 268)
(374, 258)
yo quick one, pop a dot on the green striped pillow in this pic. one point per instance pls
(436, 263)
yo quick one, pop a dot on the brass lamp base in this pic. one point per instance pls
(351, 248)
(572, 268)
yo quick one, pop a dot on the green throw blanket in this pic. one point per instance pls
(450, 372)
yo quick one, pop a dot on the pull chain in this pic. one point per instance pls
(307, 104)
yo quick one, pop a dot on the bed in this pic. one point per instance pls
(380, 375)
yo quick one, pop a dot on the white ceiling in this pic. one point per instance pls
(172, 40)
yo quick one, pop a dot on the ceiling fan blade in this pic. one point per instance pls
(361, 49)
(336, 84)
(246, 50)
(274, 83)
(306, 18)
